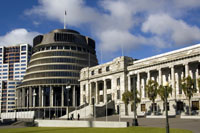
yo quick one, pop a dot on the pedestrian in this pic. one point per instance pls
(78, 116)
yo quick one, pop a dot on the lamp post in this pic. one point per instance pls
(16, 108)
(119, 111)
(93, 101)
(67, 88)
(135, 121)
(166, 110)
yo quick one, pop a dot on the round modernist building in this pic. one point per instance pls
(51, 79)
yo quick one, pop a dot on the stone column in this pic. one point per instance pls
(138, 82)
(74, 95)
(159, 76)
(90, 92)
(62, 96)
(97, 91)
(129, 84)
(186, 69)
(197, 77)
(30, 97)
(34, 94)
(40, 96)
(51, 96)
(23, 97)
(105, 92)
(173, 82)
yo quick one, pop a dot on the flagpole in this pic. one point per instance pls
(64, 19)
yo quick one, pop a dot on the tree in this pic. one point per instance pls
(161, 91)
(127, 96)
(152, 91)
(187, 84)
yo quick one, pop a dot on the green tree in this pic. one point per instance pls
(152, 91)
(161, 91)
(127, 96)
(187, 84)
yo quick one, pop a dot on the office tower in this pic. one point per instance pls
(13, 64)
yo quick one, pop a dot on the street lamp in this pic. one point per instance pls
(135, 121)
(166, 110)
(119, 111)
(16, 108)
(67, 88)
(93, 102)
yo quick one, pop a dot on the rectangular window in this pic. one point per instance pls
(83, 87)
(107, 68)
(92, 73)
(16, 68)
(23, 68)
(23, 57)
(53, 47)
(73, 47)
(23, 53)
(118, 94)
(23, 48)
(118, 81)
(195, 105)
(100, 71)
(143, 109)
(23, 64)
(167, 106)
(23, 60)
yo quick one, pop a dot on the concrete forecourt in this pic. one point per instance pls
(91, 130)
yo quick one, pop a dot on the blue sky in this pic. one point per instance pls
(142, 28)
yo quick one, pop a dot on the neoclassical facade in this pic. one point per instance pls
(107, 82)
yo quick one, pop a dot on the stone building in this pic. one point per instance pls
(50, 84)
(107, 82)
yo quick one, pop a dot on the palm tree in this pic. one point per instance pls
(127, 96)
(152, 91)
(161, 91)
(187, 84)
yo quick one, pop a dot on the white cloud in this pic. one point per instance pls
(17, 36)
(113, 25)
(177, 30)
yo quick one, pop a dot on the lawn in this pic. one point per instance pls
(91, 130)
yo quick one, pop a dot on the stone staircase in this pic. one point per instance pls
(86, 110)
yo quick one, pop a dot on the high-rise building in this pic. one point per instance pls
(13, 64)
(56, 61)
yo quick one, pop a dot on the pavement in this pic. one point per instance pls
(189, 124)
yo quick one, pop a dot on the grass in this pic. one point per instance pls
(91, 130)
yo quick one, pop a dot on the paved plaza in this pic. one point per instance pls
(189, 124)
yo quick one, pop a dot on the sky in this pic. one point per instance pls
(134, 28)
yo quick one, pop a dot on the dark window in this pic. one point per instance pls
(60, 47)
(107, 68)
(118, 81)
(143, 109)
(100, 70)
(79, 49)
(23, 48)
(195, 105)
(67, 47)
(73, 47)
(118, 94)
(53, 47)
(0, 50)
(92, 73)
(154, 106)
(167, 106)
(83, 87)
(179, 106)
(47, 48)
(109, 97)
